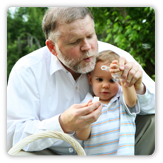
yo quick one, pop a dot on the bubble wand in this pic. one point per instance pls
(116, 76)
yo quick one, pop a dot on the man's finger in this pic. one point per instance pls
(83, 104)
(86, 120)
(122, 62)
(89, 102)
(125, 74)
(88, 109)
(136, 77)
(133, 71)
(93, 116)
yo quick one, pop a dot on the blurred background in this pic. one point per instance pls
(129, 28)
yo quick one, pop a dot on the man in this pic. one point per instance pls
(45, 88)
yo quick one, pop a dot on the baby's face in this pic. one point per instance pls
(103, 83)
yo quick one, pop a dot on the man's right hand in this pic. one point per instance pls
(79, 116)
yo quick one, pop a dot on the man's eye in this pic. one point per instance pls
(100, 79)
(90, 36)
(75, 42)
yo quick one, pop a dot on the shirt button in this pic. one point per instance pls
(71, 150)
(76, 88)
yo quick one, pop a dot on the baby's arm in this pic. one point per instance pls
(84, 133)
(129, 93)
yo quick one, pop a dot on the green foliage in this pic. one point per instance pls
(24, 33)
(129, 28)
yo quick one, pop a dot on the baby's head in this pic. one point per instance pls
(102, 82)
(107, 57)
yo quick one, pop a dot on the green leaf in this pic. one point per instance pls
(117, 39)
(106, 14)
(108, 21)
(116, 27)
(128, 31)
(135, 26)
(146, 9)
(117, 18)
(109, 30)
(120, 29)
(153, 77)
(109, 36)
(127, 17)
(114, 13)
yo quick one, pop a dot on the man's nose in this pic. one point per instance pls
(85, 45)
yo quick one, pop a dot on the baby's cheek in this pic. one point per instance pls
(96, 89)
(116, 88)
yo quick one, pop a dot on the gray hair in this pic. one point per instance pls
(60, 15)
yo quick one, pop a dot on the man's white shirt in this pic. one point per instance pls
(40, 89)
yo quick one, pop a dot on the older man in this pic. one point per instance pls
(45, 88)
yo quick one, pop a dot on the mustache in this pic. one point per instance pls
(87, 55)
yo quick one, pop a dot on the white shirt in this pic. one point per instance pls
(40, 89)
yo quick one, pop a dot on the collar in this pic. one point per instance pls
(55, 65)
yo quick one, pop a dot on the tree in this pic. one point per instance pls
(131, 29)
(24, 33)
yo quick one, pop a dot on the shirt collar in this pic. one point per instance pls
(55, 65)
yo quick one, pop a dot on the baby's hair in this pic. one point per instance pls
(107, 56)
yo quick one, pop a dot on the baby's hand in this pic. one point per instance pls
(115, 70)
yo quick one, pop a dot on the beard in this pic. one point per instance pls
(78, 65)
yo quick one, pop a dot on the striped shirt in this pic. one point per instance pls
(114, 131)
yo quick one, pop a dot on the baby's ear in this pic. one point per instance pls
(89, 79)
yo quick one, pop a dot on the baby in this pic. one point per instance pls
(114, 132)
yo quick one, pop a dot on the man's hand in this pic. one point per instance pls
(132, 75)
(80, 116)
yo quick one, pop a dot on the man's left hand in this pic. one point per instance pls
(132, 75)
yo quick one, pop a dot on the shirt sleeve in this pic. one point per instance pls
(131, 110)
(147, 103)
(23, 112)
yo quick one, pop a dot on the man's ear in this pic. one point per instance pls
(51, 47)
(89, 79)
